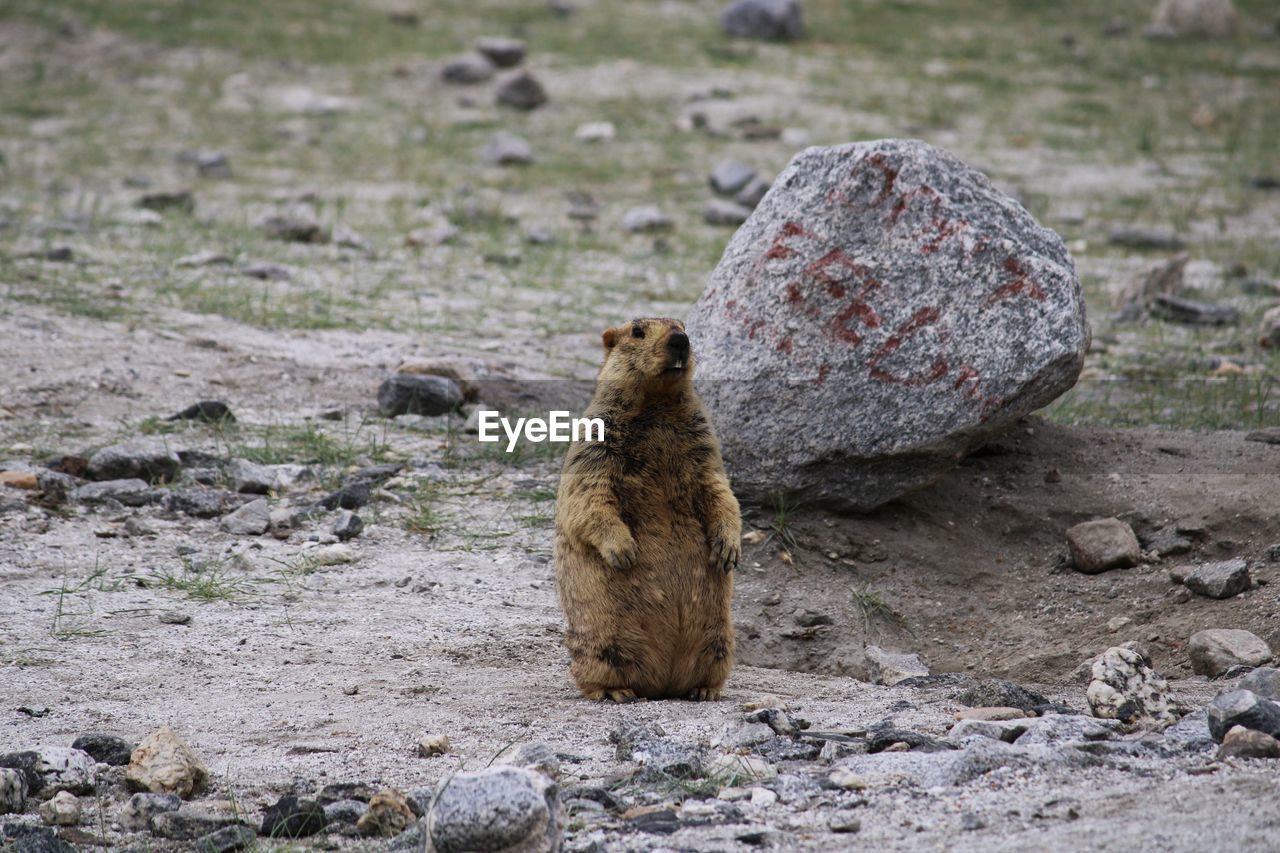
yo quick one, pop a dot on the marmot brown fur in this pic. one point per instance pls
(648, 531)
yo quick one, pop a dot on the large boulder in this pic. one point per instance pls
(883, 312)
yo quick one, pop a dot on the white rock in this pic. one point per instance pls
(62, 810)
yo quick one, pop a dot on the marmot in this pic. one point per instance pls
(648, 531)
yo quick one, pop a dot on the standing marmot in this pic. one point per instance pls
(647, 530)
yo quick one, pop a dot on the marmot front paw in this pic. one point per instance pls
(725, 552)
(619, 553)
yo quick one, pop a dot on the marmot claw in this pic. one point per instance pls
(619, 556)
(724, 554)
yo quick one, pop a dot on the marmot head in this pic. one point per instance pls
(651, 352)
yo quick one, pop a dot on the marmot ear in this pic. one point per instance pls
(610, 338)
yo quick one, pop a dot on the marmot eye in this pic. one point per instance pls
(637, 331)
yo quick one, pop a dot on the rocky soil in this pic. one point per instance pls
(325, 599)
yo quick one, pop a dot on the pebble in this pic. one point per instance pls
(846, 780)
(507, 149)
(1124, 688)
(298, 225)
(131, 492)
(889, 668)
(499, 808)
(104, 748)
(721, 211)
(345, 811)
(992, 714)
(267, 271)
(431, 745)
(228, 839)
(1223, 579)
(733, 769)
(137, 813)
(188, 825)
(1216, 650)
(13, 791)
(731, 176)
(180, 200)
(502, 52)
(844, 822)
(595, 131)
(438, 235)
(1138, 237)
(252, 519)
(290, 817)
(1241, 742)
(521, 90)
(1264, 681)
(468, 70)
(646, 219)
(417, 394)
(164, 764)
(62, 810)
(208, 411)
(388, 814)
(753, 193)
(331, 555)
(1181, 310)
(1103, 544)
(147, 459)
(1242, 708)
(773, 20)
(347, 526)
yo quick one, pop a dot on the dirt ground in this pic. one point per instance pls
(286, 671)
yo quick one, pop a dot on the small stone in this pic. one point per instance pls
(1240, 742)
(141, 808)
(174, 617)
(521, 90)
(164, 764)
(331, 555)
(227, 840)
(763, 798)
(350, 496)
(595, 131)
(753, 193)
(144, 458)
(188, 825)
(388, 815)
(1103, 544)
(991, 714)
(105, 749)
(1193, 18)
(252, 519)
(298, 225)
(437, 236)
(251, 478)
(844, 823)
(208, 411)
(180, 200)
(290, 817)
(1216, 650)
(1242, 708)
(433, 745)
(772, 20)
(468, 70)
(1223, 579)
(730, 176)
(345, 811)
(846, 779)
(502, 52)
(1176, 309)
(735, 769)
(62, 810)
(507, 149)
(997, 692)
(888, 668)
(1118, 623)
(267, 271)
(720, 211)
(1264, 681)
(407, 393)
(1124, 688)
(646, 219)
(499, 808)
(26, 480)
(13, 791)
(1007, 731)
(1137, 237)
(347, 526)
(132, 492)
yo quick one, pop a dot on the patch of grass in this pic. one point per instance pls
(1246, 402)
(873, 607)
(205, 583)
(71, 624)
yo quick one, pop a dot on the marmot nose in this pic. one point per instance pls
(678, 343)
